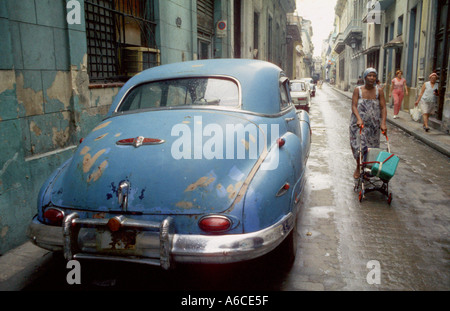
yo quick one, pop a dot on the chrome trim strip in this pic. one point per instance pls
(231, 248)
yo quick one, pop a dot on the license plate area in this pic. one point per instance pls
(115, 241)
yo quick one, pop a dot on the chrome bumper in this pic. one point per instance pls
(154, 243)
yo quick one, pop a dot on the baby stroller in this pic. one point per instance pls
(377, 167)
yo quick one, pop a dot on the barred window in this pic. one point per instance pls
(120, 37)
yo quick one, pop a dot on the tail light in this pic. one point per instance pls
(281, 142)
(283, 190)
(215, 223)
(53, 216)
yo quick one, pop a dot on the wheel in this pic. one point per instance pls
(389, 200)
(361, 194)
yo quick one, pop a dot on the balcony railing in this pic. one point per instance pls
(339, 44)
(353, 31)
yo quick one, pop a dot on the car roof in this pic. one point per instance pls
(297, 81)
(259, 80)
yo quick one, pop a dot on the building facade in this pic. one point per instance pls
(389, 35)
(64, 61)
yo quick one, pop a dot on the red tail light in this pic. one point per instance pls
(214, 224)
(54, 216)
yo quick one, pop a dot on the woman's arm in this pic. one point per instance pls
(422, 90)
(383, 112)
(355, 98)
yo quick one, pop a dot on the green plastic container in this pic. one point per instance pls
(372, 155)
(386, 169)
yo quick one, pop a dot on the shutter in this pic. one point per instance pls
(205, 16)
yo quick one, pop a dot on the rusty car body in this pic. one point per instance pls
(196, 162)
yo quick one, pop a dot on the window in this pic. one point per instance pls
(269, 39)
(298, 87)
(284, 103)
(182, 92)
(255, 33)
(400, 25)
(205, 26)
(120, 36)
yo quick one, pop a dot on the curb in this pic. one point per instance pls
(22, 265)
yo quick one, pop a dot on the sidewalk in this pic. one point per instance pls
(434, 138)
(20, 266)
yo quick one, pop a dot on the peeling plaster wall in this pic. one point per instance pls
(46, 104)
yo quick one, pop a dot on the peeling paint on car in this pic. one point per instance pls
(102, 125)
(101, 136)
(184, 205)
(201, 182)
(88, 160)
(98, 172)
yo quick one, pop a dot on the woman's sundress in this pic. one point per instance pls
(370, 112)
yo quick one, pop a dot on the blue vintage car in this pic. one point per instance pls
(195, 162)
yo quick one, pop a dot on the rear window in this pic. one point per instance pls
(182, 92)
(298, 87)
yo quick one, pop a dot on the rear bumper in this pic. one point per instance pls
(302, 106)
(154, 243)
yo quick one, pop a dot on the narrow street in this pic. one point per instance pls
(409, 238)
(341, 240)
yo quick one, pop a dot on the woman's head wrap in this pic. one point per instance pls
(369, 70)
(433, 74)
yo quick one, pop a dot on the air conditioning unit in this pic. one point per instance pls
(137, 58)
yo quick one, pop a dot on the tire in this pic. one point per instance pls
(284, 254)
(389, 200)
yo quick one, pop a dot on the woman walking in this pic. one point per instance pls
(428, 98)
(368, 109)
(397, 87)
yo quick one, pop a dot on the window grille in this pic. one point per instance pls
(120, 37)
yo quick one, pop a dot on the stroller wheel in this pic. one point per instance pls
(389, 200)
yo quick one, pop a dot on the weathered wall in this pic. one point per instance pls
(46, 104)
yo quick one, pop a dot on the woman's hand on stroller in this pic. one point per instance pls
(360, 123)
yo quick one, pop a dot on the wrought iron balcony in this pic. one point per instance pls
(339, 44)
(353, 33)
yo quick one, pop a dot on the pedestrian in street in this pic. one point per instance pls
(360, 81)
(368, 110)
(380, 86)
(428, 98)
(398, 90)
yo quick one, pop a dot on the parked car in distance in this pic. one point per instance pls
(312, 85)
(300, 94)
(196, 162)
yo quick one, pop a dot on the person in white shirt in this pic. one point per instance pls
(428, 98)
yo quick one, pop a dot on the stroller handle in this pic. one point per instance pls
(383, 132)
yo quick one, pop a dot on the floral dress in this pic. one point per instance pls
(370, 112)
